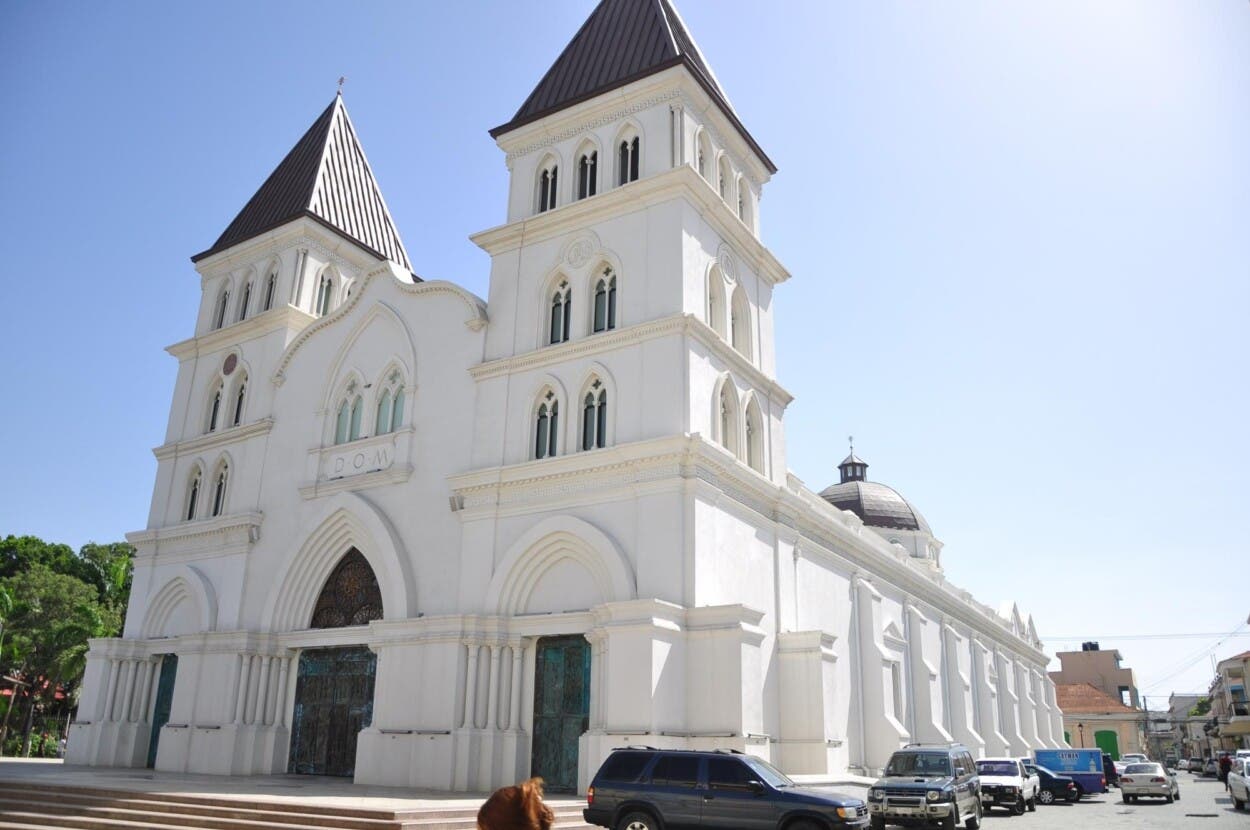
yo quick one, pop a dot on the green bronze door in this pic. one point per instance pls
(333, 702)
(164, 702)
(1109, 742)
(561, 709)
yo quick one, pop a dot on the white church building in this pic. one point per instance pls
(406, 534)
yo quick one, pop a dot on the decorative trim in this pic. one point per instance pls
(213, 440)
(725, 259)
(397, 474)
(275, 319)
(249, 523)
(590, 124)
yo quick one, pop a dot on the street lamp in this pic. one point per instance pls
(1080, 727)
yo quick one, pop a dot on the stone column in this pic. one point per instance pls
(262, 696)
(105, 707)
(284, 676)
(492, 694)
(145, 699)
(245, 683)
(131, 668)
(518, 656)
(470, 689)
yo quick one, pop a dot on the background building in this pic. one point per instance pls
(1093, 718)
(1100, 669)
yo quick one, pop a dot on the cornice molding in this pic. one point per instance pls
(215, 526)
(397, 474)
(302, 232)
(680, 182)
(286, 317)
(213, 440)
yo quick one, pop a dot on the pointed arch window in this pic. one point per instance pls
(219, 313)
(351, 595)
(548, 187)
(219, 489)
(561, 316)
(214, 409)
(347, 416)
(595, 417)
(741, 205)
(605, 301)
(704, 154)
(716, 301)
(587, 174)
(193, 496)
(727, 417)
(324, 289)
(240, 393)
(627, 160)
(755, 436)
(723, 178)
(245, 300)
(390, 412)
(547, 426)
(271, 287)
(740, 322)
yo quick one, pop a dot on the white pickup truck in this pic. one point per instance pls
(1005, 783)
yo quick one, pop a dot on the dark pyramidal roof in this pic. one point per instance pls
(327, 178)
(621, 42)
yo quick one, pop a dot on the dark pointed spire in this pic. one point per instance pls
(621, 42)
(327, 178)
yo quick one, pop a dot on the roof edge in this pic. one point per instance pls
(681, 60)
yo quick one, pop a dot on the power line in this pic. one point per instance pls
(1193, 660)
(1186, 636)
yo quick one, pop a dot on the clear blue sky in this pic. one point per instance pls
(1018, 233)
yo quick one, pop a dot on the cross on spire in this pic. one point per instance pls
(342, 80)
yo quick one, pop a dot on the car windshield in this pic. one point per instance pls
(997, 768)
(1144, 769)
(928, 764)
(768, 773)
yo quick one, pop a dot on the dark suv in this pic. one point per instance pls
(927, 784)
(642, 788)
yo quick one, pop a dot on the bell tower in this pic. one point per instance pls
(630, 295)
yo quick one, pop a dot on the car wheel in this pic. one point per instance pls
(1169, 798)
(1017, 809)
(1032, 803)
(1046, 797)
(1125, 799)
(1080, 793)
(952, 819)
(1238, 803)
(637, 821)
(974, 822)
(877, 823)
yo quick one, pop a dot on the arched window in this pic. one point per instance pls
(704, 156)
(755, 436)
(741, 209)
(390, 412)
(627, 160)
(193, 495)
(219, 489)
(244, 300)
(716, 301)
(605, 301)
(271, 287)
(324, 289)
(236, 417)
(347, 416)
(740, 322)
(350, 596)
(587, 174)
(219, 313)
(561, 316)
(547, 426)
(723, 178)
(214, 409)
(595, 416)
(548, 187)
(727, 417)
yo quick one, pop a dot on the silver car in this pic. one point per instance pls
(1239, 782)
(1148, 780)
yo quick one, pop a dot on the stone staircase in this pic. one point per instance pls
(38, 806)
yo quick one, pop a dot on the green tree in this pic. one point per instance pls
(111, 568)
(1201, 708)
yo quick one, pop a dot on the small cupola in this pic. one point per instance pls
(853, 468)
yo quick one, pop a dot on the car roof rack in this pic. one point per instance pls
(635, 746)
(729, 751)
(932, 744)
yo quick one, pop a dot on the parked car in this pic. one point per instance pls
(1135, 758)
(1182, 764)
(1110, 770)
(1195, 765)
(1150, 780)
(1211, 767)
(1006, 783)
(925, 783)
(1239, 781)
(1052, 786)
(643, 788)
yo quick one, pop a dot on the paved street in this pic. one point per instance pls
(1204, 803)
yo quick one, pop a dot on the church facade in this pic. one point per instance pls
(405, 534)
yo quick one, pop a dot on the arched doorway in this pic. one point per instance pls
(334, 686)
(1109, 742)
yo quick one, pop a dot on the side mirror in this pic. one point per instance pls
(756, 787)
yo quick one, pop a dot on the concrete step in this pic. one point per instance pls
(27, 806)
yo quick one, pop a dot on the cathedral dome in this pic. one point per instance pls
(877, 504)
